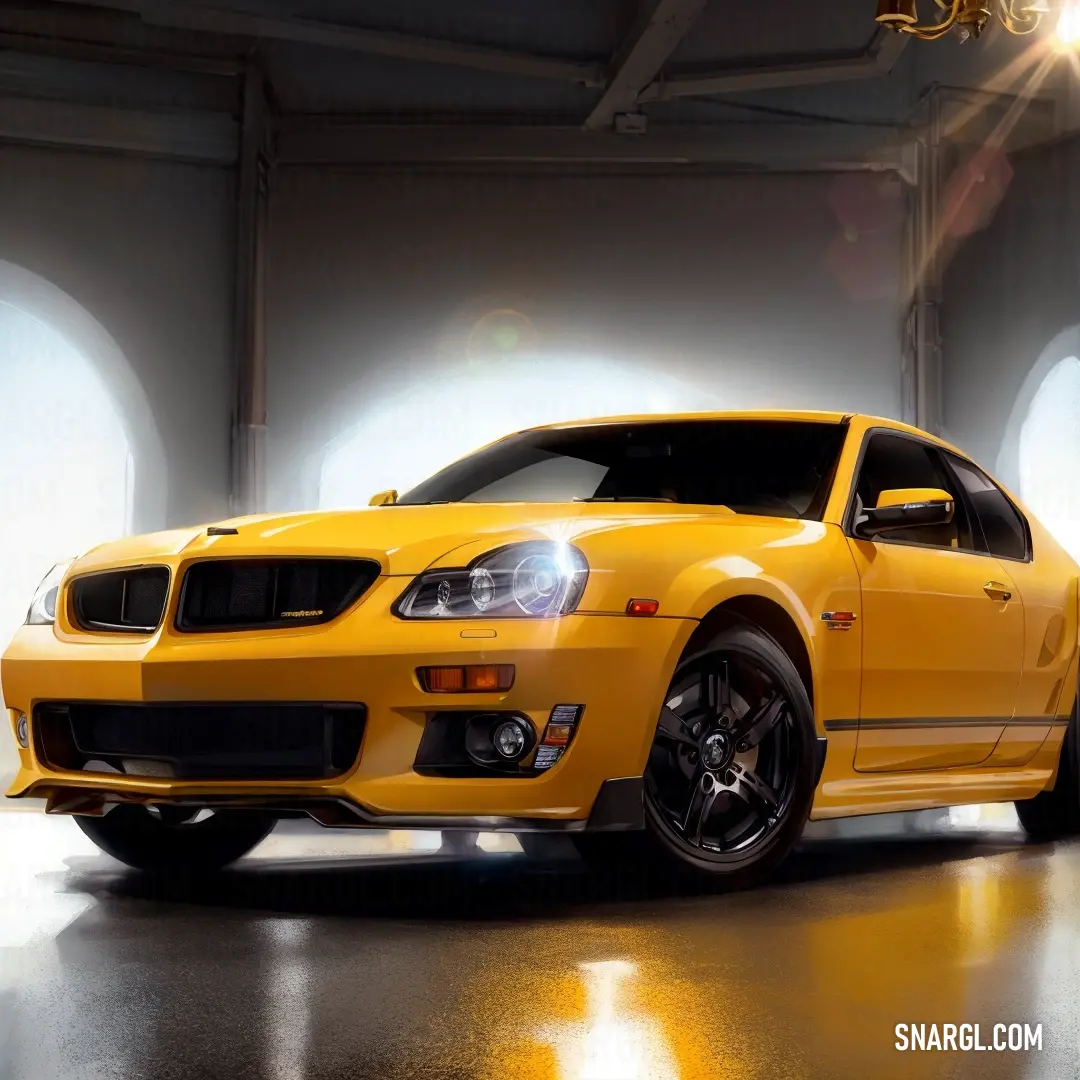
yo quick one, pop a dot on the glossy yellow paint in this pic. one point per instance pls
(934, 646)
(928, 644)
(906, 496)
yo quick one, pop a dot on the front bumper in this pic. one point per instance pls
(617, 667)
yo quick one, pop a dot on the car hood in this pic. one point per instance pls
(407, 539)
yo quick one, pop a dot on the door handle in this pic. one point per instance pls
(996, 591)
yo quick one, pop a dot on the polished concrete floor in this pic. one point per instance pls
(325, 956)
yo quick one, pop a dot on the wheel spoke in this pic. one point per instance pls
(701, 801)
(724, 696)
(752, 789)
(707, 693)
(671, 727)
(752, 730)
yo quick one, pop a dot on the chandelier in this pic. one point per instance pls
(968, 18)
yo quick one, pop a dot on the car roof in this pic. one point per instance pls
(728, 414)
(806, 415)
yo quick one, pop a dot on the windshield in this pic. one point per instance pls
(780, 468)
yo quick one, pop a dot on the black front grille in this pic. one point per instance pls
(252, 594)
(202, 742)
(121, 601)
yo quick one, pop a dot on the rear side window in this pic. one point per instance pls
(1005, 530)
(893, 461)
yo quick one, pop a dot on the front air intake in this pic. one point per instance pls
(223, 741)
(120, 601)
(261, 594)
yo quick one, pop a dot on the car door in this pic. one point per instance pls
(1046, 586)
(942, 624)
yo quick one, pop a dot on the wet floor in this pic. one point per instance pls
(366, 956)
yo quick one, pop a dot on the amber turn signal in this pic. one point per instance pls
(642, 607)
(558, 734)
(470, 679)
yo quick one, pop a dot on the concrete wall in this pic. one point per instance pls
(1011, 297)
(728, 283)
(146, 249)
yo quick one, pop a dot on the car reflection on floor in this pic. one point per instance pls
(357, 955)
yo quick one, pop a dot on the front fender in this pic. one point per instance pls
(805, 568)
(760, 584)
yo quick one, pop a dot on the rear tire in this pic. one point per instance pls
(148, 840)
(731, 774)
(1054, 814)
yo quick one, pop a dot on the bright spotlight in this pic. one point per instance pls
(1068, 26)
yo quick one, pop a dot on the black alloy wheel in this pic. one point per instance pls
(169, 839)
(730, 777)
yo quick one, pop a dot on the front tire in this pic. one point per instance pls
(731, 774)
(167, 839)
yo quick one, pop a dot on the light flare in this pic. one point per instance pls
(1042, 60)
(1067, 32)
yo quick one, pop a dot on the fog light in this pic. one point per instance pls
(22, 731)
(498, 738)
(509, 739)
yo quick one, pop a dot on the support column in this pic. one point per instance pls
(921, 364)
(247, 493)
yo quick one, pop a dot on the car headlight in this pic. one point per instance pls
(43, 607)
(536, 579)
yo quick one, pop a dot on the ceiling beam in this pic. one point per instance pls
(225, 20)
(103, 53)
(315, 142)
(878, 59)
(210, 138)
(656, 33)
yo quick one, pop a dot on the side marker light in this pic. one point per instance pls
(561, 726)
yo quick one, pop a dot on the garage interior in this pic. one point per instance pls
(268, 255)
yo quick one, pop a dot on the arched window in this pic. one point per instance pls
(1049, 454)
(66, 469)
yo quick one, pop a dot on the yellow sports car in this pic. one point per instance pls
(678, 636)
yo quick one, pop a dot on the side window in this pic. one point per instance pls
(1004, 528)
(892, 461)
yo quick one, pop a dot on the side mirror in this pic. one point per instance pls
(905, 508)
(384, 498)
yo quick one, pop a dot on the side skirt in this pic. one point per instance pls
(885, 793)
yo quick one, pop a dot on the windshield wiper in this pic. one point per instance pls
(624, 498)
